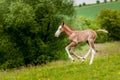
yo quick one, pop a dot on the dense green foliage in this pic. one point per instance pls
(27, 30)
(98, 2)
(111, 22)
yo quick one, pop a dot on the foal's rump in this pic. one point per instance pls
(85, 35)
(93, 33)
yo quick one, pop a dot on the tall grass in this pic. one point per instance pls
(106, 66)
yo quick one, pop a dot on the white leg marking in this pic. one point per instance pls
(87, 53)
(92, 57)
(67, 50)
(74, 53)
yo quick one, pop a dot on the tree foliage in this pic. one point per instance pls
(98, 2)
(110, 20)
(105, 1)
(27, 30)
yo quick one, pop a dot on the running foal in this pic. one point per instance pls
(77, 37)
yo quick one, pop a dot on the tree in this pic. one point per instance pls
(111, 0)
(27, 32)
(98, 2)
(84, 4)
(20, 26)
(111, 22)
(105, 1)
(80, 5)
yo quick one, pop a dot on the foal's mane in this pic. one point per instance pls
(68, 27)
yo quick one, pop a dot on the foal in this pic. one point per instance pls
(77, 37)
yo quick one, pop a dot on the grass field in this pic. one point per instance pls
(106, 66)
(92, 11)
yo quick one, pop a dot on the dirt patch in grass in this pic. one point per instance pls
(107, 48)
(102, 49)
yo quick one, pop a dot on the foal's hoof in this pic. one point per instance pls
(83, 59)
(73, 60)
(80, 57)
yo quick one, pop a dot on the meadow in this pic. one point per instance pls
(106, 66)
(92, 11)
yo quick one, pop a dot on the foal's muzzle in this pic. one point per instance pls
(57, 33)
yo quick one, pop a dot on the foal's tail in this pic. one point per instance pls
(102, 30)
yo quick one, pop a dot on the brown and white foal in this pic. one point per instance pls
(77, 37)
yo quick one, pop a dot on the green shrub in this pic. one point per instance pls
(105, 1)
(98, 2)
(110, 20)
(84, 4)
(27, 31)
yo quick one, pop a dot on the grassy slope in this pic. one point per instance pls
(92, 11)
(106, 66)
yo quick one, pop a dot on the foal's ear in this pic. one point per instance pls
(63, 23)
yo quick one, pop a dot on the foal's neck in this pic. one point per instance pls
(68, 30)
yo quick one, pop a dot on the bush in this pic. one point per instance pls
(98, 2)
(111, 0)
(111, 22)
(105, 1)
(84, 4)
(82, 23)
(27, 31)
(80, 5)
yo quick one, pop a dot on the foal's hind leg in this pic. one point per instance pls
(74, 53)
(93, 52)
(88, 53)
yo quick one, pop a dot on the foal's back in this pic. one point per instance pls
(82, 36)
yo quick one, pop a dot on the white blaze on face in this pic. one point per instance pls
(58, 31)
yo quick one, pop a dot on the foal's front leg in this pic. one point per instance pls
(67, 50)
(72, 44)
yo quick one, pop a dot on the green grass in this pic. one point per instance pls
(106, 66)
(92, 11)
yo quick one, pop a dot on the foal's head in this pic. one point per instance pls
(59, 30)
